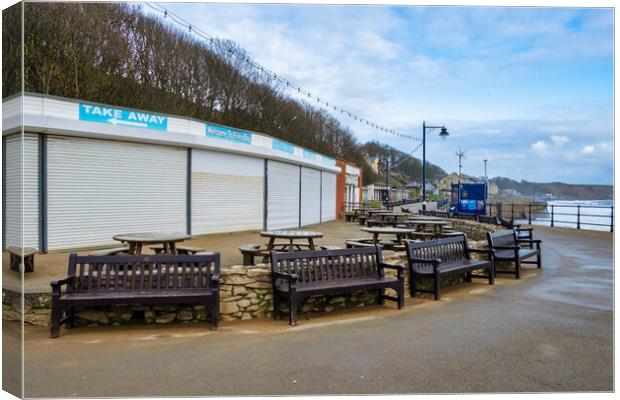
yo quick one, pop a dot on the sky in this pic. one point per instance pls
(528, 89)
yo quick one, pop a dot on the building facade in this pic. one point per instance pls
(85, 172)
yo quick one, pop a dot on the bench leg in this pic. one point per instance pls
(292, 309)
(401, 295)
(491, 271)
(539, 259)
(70, 317)
(436, 287)
(380, 296)
(412, 284)
(56, 315)
(518, 269)
(276, 306)
(468, 277)
(214, 308)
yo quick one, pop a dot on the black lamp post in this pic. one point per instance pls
(442, 134)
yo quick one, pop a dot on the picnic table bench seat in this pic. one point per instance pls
(114, 251)
(181, 249)
(297, 276)
(350, 216)
(250, 251)
(141, 279)
(506, 246)
(16, 253)
(441, 258)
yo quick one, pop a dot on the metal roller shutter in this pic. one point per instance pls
(283, 195)
(99, 188)
(328, 200)
(20, 148)
(310, 196)
(227, 192)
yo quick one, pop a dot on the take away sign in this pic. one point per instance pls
(122, 117)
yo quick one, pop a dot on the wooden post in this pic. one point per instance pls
(529, 214)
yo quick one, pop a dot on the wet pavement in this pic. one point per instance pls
(549, 331)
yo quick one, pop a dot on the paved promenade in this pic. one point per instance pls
(550, 331)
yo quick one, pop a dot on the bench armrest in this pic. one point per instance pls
(523, 229)
(400, 270)
(215, 278)
(285, 276)
(57, 283)
(505, 248)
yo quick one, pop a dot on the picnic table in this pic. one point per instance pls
(400, 233)
(437, 225)
(137, 240)
(291, 236)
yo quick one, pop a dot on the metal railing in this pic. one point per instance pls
(579, 216)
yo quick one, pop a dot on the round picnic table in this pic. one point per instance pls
(400, 233)
(137, 240)
(436, 224)
(291, 235)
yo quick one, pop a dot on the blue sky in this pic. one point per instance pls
(529, 89)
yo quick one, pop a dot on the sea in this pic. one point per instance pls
(594, 214)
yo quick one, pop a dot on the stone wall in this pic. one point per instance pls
(245, 293)
(474, 230)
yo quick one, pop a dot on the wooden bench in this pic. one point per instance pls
(487, 219)
(114, 251)
(506, 246)
(16, 254)
(441, 258)
(471, 217)
(297, 276)
(143, 279)
(181, 249)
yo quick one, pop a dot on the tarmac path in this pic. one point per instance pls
(550, 331)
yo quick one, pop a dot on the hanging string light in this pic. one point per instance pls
(195, 31)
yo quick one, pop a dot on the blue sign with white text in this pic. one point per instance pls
(310, 154)
(329, 160)
(282, 146)
(232, 135)
(121, 117)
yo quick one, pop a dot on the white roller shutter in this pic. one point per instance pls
(227, 192)
(20, 148)
(282, 195)
(99, 188)
(328, 203)
(310, 196)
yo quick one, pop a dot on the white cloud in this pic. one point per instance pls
(559, 140)
(540, 146)
(587, 150)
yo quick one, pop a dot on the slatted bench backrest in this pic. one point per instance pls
(144, 272)
(329, 265)
(502, 238)
(449, 249)
(486, 219)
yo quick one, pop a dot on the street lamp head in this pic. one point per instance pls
(444, 133)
